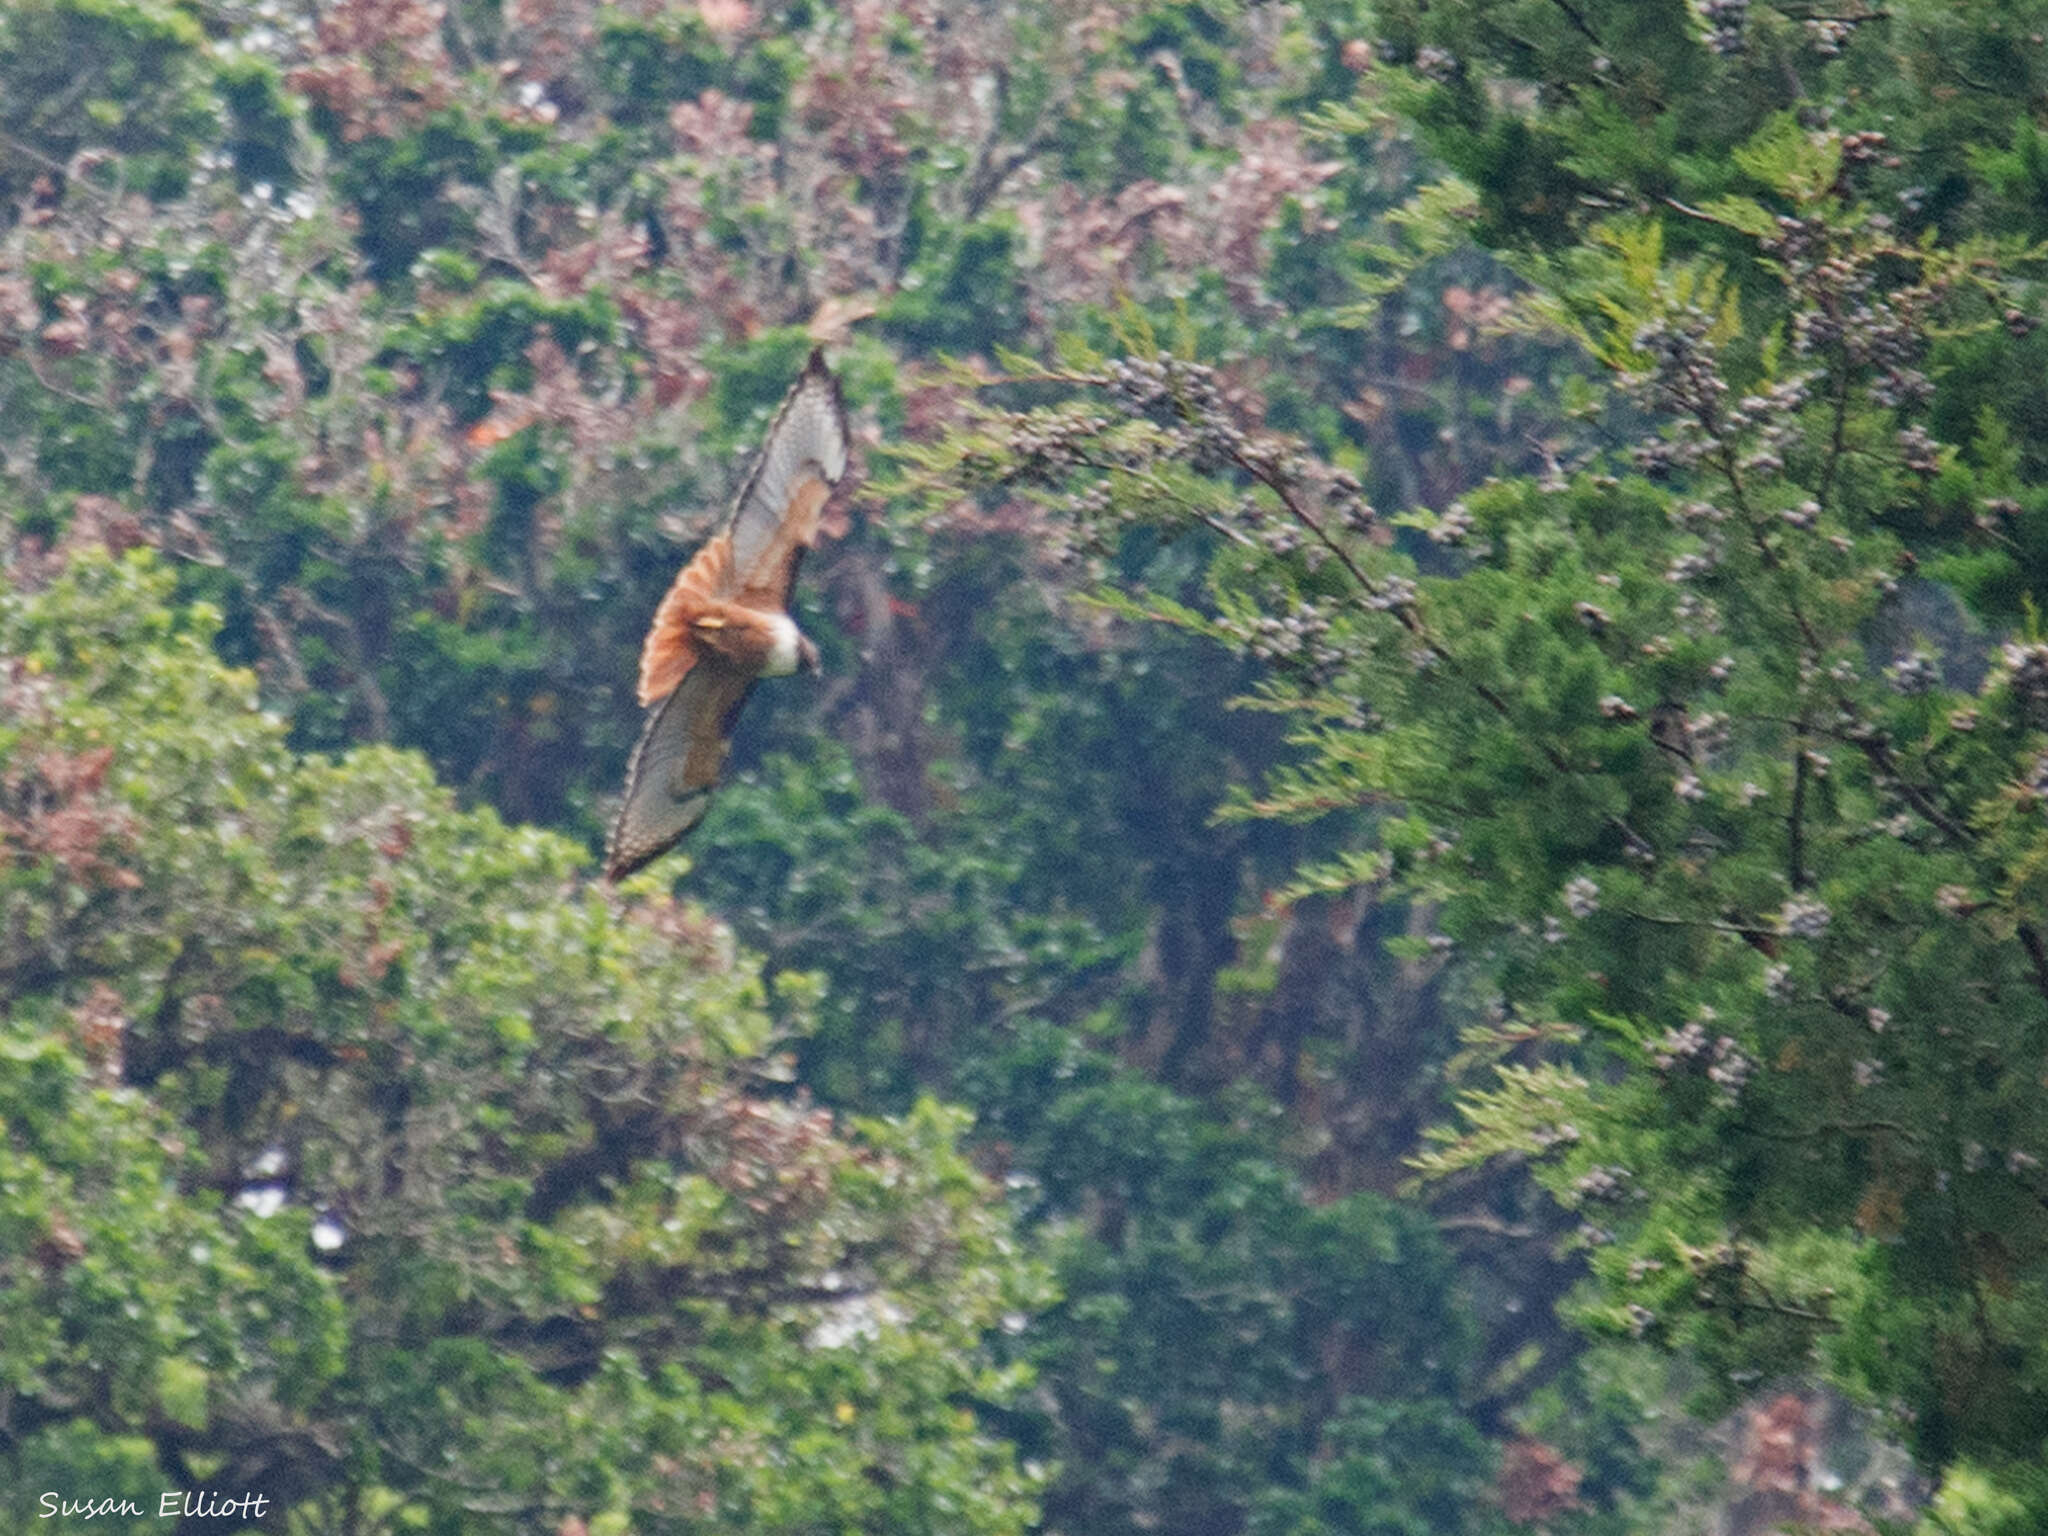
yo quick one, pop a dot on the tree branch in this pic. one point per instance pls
(1579, 23)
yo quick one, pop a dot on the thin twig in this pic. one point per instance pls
(1795, 822)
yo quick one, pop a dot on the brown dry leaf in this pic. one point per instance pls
(1778, 1446)
(511, 418)
(834, 319)
(725, 17)
(1881, 1213)
(1536, 1482)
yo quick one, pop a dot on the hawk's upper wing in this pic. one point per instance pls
(776, 517)
(676, 764)
(753, 559)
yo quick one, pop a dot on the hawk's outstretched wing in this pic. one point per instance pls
(676, 764)
(753, 559)
(776, 517)
(690, 667)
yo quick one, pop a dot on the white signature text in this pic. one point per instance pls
(172, 1506)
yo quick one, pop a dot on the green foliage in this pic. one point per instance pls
(128, 1296)
(642, 64)
(963, 292)
(1972, 1504)
(1392, 1471)
(1652, 768)
(1702, 797)
(263, 122)
(121, 76)
(582, 1265)
(399, 189)
(1203, 1295)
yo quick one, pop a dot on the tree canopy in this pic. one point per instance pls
(1411, 898)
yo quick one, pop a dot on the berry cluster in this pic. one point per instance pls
(1691, 1048)
(1914, 674)
(1804, 917)
(1725, 20)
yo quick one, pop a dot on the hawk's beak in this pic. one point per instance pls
(806, 655)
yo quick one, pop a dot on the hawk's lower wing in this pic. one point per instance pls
(676, 764)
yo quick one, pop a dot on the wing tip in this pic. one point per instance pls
(621, 861)
(618, 861)
(616, 869)
(640, 834)
(818, 371)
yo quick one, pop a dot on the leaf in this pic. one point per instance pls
(1532, 1111)
(1745, 214)
(1791, 160)
(181, 1390)
(1346, 872)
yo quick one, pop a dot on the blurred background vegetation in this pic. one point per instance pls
(1411, 899)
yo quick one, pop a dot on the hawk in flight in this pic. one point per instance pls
(725, 623)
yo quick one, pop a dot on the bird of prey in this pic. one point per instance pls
(725, 623)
